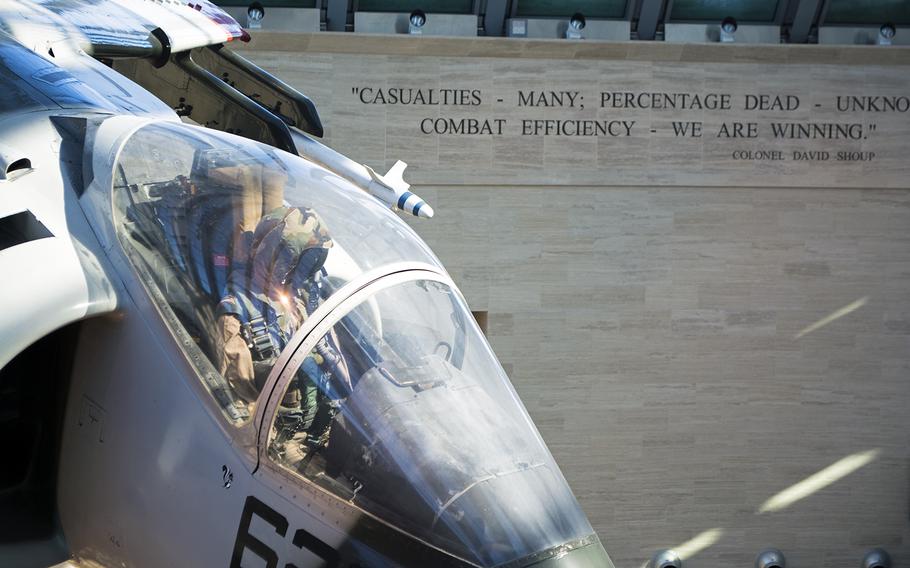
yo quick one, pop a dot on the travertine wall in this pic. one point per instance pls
(692, 334)
(653, 336)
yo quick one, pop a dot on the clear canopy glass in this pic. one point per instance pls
(401, 409)
(195, 208)
(407, 414)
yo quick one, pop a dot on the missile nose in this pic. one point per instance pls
(425, 211)
(413, 204)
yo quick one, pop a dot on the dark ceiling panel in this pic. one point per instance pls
(563, 9)
(716, 10)
(867, 12)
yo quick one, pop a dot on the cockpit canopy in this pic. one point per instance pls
(400, 408)
(188, 202)
(425, 430)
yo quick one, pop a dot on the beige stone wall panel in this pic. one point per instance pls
(647, 296)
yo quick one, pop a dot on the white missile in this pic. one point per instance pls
(390, 189)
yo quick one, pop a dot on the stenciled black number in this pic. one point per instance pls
(245, 540)
(302, 539)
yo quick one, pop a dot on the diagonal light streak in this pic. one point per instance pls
(694, 545)
(698, 543)
(818, 481)
(815, 482)
(833, 316)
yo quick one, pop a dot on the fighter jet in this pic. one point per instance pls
(219, 346)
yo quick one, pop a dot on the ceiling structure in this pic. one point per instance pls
(797, 20)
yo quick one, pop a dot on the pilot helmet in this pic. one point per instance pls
(290, 245)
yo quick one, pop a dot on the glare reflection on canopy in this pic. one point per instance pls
(818, 481)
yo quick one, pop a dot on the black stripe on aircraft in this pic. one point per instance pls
(20, 228)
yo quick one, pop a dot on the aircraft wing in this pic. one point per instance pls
(128, 28)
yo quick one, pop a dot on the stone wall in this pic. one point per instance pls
(692, 333)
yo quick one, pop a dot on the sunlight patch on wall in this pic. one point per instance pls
(851, 307)
(818, 481)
